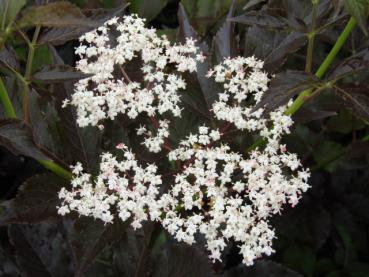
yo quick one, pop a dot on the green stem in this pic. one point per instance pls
(311, 36)
(57, 169)
(28, 73)
(336, 48)
(300, 100)
(306, 94)
(4, 97)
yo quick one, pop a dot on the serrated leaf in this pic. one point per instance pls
(359, 10)
(278, 56)
(283, 87)
(351, 65)
(261, 19)
(132, 254)
(272, 47)
(307, 114)
(147, 9)
(90, 237)
(356, 99)
(9, 10)
(28, 255)
(57, 14)
(183, 260)
(261, 269)
(18, 138)
(36, 200)
(83, 142)
(206, 13)
(58, 36)
(225, 41)
(210, 89)
(41, 250)
(8, 58)
(57, 74)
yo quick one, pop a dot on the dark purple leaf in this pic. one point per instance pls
(209, 88)
(57, 74)
(36, 200)
(41, 249)
(18, 138)
(83, 142)
(27, 254)
(8, 58)
(57, 14)
(307, 114)
(183, 260)
(283, 87)
(261, 269)
(351, 65)
(132, 254)
(261, 19)
(356, 99)
(90, 237)
(278, 56)
(58, 36)
(226, 42)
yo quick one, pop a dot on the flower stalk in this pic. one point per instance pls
(27, 75)
(301, 99)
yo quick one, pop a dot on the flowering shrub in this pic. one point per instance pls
(184, 138)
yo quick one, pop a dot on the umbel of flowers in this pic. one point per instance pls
(218, 193)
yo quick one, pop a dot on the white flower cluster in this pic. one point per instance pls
(110, 91)
(244, 84)
(154, 143)
(224, 196)
(216, 192)
(125, 186)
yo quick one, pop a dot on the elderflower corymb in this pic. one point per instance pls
(110, 92)
(215, 191)
(225, 196)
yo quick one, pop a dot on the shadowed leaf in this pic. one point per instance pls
(261, 19)
(147, 9)
(57, 14)
(41, 249)
(283, 87)
(89, 238)
(356, 99)
(83, 142)
(8, 58)
(57, 74)
(262, 269)
(18, 138)
(27, 255)
(183, 260)
(36, 200)
(226, 42)
(210, 89)
(61, 35)
(351, 65)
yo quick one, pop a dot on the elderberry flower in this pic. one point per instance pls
(109, 91)
(123, 186)
(225, 196)
(216, 192)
